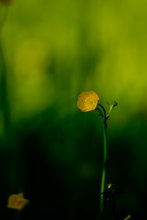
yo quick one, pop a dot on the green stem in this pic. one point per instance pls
(102, 107)
(104, 115)
(103, 170)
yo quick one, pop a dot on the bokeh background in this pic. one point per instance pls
(50, 51)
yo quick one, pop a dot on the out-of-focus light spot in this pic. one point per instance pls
(32, 86)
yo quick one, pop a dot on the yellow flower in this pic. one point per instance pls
(87, 101)
(17, 201)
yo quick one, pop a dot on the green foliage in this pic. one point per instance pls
(50, 51)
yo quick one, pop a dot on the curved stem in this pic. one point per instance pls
(100, 112)
(103, 170)
(102, 107)
(105, 114)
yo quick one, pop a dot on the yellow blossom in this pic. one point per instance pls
(17, 201)
(87, 101)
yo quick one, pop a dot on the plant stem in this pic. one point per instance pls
(103, 169)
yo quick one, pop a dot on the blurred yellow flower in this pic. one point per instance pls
(17, 201)
(87, 101)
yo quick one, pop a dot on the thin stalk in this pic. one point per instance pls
(104, 114)
(103, 170)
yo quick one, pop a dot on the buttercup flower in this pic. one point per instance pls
(87, 101)
(17, 201)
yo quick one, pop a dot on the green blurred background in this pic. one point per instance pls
(50, 51)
